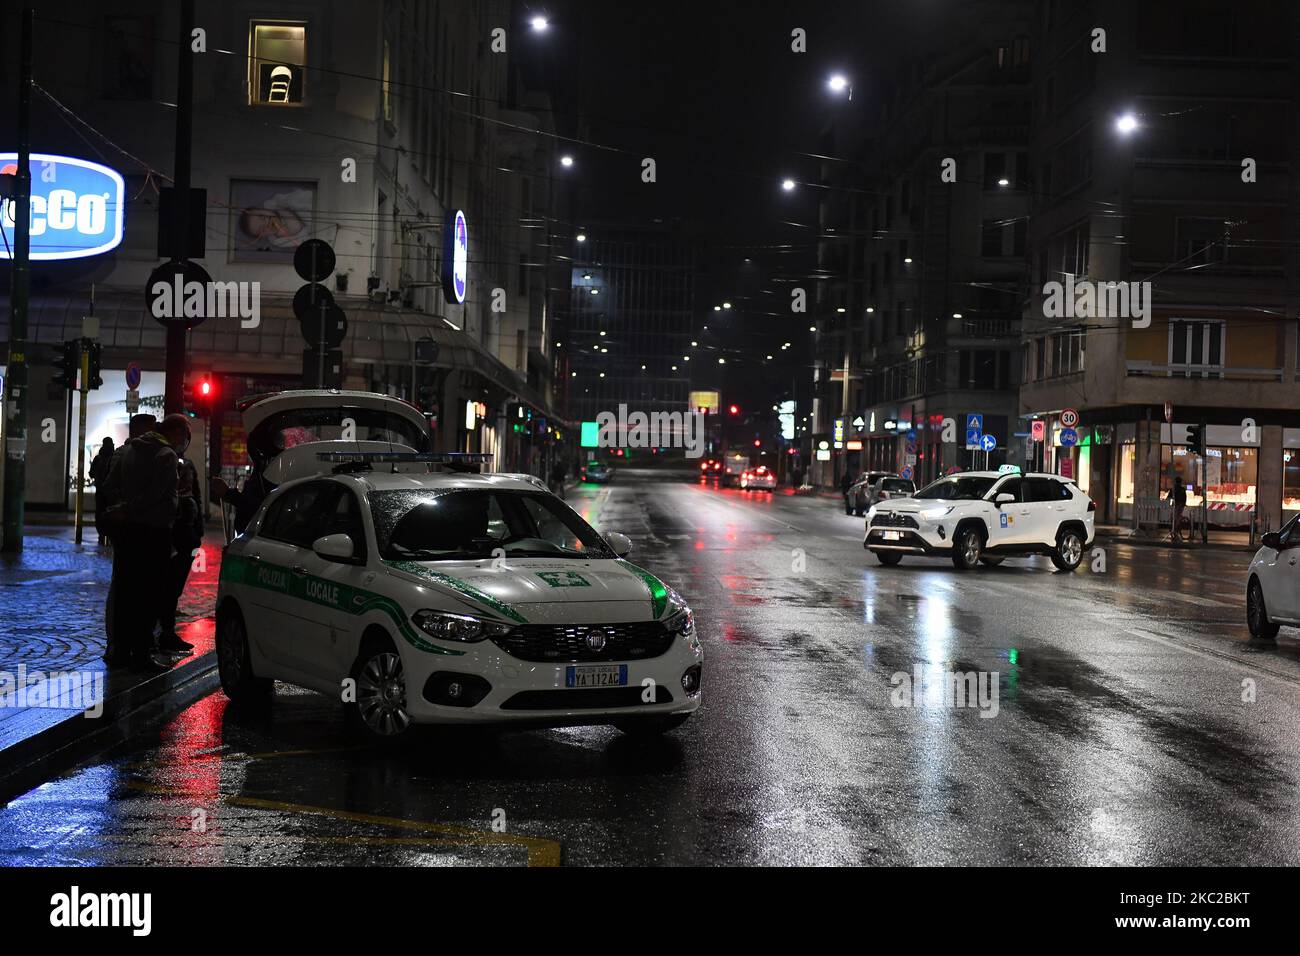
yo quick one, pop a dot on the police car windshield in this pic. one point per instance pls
(432, 525)
(963, 488)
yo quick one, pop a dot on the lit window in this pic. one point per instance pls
(277, 58)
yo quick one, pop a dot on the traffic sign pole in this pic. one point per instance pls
(84, 389)
(174, 390)
(15, 410)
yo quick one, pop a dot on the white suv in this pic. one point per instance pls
(984, 516)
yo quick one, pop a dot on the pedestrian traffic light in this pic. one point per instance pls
(69, 364)
(1196, 439)
(94, 380)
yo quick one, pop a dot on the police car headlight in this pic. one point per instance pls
(458, 627)
(934, 514)
(680, 619)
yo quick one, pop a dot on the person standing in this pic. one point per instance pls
(108, 497)
(1178, 495)
(187, 538)
(142, 556)
(99, 466)
(846, 482)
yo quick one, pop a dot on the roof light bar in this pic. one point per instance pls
(436, 458)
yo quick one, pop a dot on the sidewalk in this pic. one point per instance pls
(1218, 540)
(52, 623)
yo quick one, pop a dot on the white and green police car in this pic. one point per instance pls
(424, 596)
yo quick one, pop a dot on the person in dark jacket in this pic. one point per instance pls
(108, 495)
(99, 466)
(147, 473)
(846, 482)
(245, 500)
(187, 538)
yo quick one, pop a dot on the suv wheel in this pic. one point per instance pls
(1257, 614)
(967, 545)
(888, 557)
(1069, 550)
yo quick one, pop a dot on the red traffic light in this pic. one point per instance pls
(735, 409)
(205, 388)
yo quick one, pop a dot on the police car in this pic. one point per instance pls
(437, 596)
(983, 517)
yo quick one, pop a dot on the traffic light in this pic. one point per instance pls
(69, 364)
(1196, 439)
(734, 410)
(204, 395)
(95, 350)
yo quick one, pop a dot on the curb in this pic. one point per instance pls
(1144, 542)
(127, 709)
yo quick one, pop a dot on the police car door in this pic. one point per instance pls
(331, 588)
(293, 606)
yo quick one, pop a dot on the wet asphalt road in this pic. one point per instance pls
(1120, 736)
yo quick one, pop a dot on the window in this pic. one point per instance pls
(1018, 233)
(301, 514)
(346, 519)
(386, 82)
(277, 58)
(1066, 352)
(1200, 241)
(991, 238)
(427, 525)
(127, 72)
(995, 168)
(1015, 487)
(1045, 489)
(1196, 347)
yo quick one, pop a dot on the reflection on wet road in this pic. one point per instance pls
(1130, 721)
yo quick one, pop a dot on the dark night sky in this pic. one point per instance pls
(714, 93)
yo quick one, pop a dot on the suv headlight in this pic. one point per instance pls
(934, 514)
(458, 627)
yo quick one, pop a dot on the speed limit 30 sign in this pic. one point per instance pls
(1069, 418)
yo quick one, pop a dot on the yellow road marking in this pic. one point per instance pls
(541, 852)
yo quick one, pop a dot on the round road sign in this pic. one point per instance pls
(133, 375)
(314, 260)
(1069, 418)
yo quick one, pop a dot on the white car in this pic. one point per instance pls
(985, 516)
(442, 597)
(1273, 583)
(759, 478)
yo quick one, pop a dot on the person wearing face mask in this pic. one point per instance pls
(149, 479)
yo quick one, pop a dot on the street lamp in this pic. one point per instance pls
(581, 237)
(540, 24)
(839, 83)
(1126, 124)
(726, 305)
(566, 161)
(787, 184)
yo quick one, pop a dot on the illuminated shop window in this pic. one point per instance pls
(277, 59)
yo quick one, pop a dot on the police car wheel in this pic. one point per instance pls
(889, 558)
(380, 690)
(650, 726)
(1069, 551)
(234, 661)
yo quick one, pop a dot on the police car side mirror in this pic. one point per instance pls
(1005, 498)
(620, 544)
(334, 547)
(1272, 540)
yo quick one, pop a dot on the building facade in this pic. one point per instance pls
(1163, 164)
(365, 125)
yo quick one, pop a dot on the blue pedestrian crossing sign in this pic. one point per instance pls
(972, 439)
(974, 422)
(988, 443)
